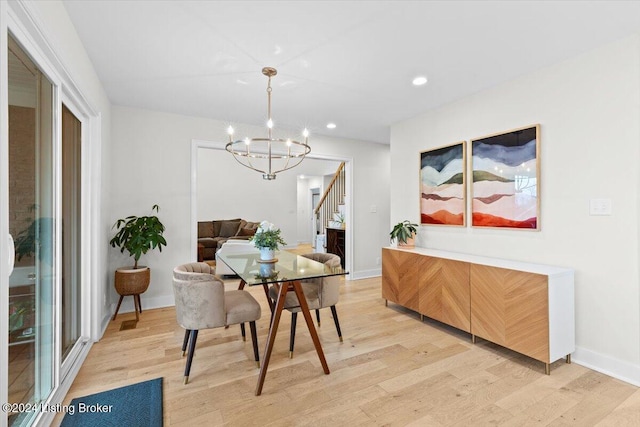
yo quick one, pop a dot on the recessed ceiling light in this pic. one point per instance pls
(241, 82)
(419, 81)
(331, 125)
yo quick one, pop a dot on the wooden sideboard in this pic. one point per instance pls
(526, 307)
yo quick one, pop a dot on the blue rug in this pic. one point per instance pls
(136, 405)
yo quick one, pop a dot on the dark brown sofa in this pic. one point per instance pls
(212, 234)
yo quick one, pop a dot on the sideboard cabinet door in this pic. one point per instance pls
(444, 292)
(401, 273)
(511, 308)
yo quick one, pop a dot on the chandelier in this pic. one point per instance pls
(269, 155)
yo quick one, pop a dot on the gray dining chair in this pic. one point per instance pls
(320, 293)
(202, 303)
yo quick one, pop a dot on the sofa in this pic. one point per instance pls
(232, 246)
(212, 234)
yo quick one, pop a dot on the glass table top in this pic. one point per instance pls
(287, 267)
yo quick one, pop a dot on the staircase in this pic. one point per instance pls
(331, 205)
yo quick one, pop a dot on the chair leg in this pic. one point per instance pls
(292, 337)
(192, 349)
(185, 341)
(254, 340)
(318, 316)
(118, 307)
(335, 319)
(243, 332)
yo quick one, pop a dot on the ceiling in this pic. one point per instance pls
(346, 62)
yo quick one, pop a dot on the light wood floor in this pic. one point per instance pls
(392, 369)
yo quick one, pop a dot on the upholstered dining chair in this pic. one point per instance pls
(202, 303)
(320, 293)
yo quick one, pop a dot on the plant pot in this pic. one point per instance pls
(132, 281)
(410, 244)
(267, 254)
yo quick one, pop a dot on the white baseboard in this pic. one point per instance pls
(624, 371)
(365, 274)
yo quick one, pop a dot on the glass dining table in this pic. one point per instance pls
(286, 272)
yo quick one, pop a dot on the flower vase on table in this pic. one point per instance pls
(267, 254)
(267, 239)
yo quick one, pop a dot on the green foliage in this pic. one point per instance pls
(403, 231)
(138, 235)
(37, 237)
(267, 236)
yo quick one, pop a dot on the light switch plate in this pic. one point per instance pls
(600, 207)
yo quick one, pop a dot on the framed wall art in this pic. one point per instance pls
(505, 184)
(442, 185)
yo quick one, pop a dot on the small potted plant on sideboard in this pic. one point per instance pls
(404, 233)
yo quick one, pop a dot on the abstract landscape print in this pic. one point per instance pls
(505, 180)
(442, 185)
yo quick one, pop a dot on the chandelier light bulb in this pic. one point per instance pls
(270, 124)
(230, 130)
(288, 142)
(247, 141)
(305, 133)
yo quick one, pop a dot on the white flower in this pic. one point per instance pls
(272, 227)
(264, 225)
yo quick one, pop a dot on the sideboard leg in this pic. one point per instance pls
(568, 358)
(422, 317)
(547, 368)
(386, 303)
(473, 339)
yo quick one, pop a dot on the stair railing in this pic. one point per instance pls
(333, 197)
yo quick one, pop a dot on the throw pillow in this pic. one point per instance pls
(246, 232)
(229, 228)
(218, 224)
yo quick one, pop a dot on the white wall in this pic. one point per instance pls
(151, 164)
(589, 111)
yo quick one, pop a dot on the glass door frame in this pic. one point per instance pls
(17, 19)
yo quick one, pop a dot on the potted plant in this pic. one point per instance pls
(137, 235)
(267, 239)
(404, 233)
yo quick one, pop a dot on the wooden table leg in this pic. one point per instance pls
(266, 292)
(304, 308)
(271, 338)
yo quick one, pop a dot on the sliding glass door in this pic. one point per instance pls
(45, 292)
(31, 222)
